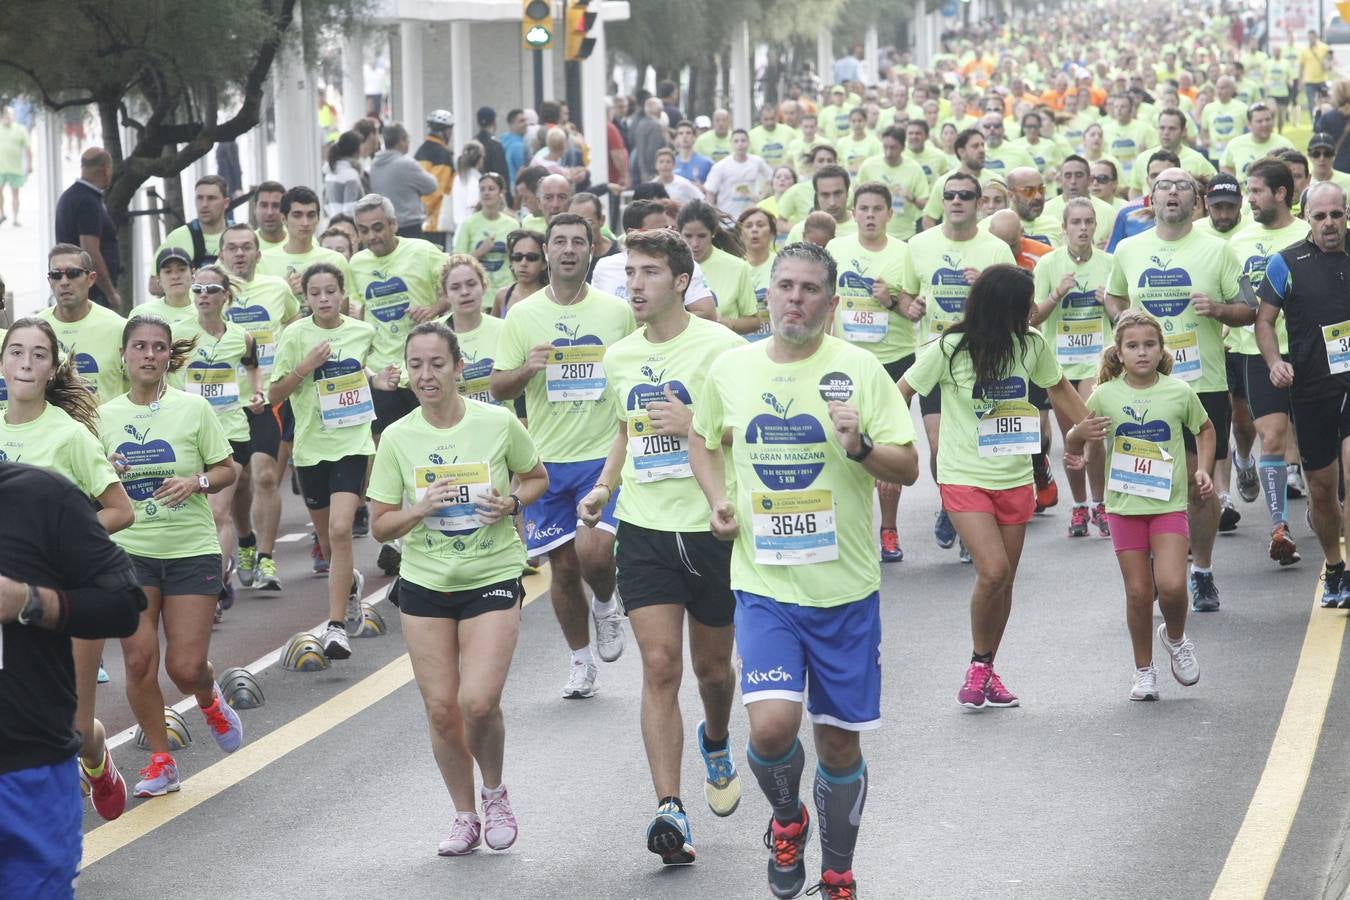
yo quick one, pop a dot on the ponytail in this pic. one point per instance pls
(1112, 365)
(66, 389)
(179, 350)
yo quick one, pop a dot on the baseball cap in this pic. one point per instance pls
(1223, 188)
(486, 115)
(172, 253)
(1321, 140)
(702, 122)
(838, 89)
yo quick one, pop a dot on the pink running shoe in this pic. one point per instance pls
(995, 694)
(972, 693)
(465, 835)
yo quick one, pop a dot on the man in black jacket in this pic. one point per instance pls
(61, 577)
(494, 154)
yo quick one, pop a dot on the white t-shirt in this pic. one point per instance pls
(737, 186)
(611, 278)
(681, 189)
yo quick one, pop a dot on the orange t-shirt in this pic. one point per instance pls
(1031, 253)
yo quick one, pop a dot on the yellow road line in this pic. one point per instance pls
(1260, 841)
(252, 758)
(535, 585)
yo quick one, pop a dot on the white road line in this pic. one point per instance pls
(292, 538)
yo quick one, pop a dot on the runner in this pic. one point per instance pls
(320, 366)
(718, 252)
(476, 333)
(88, 332)
(174, 268)
(830, 189)
(1070, 285)
(552, 350)
(1144, 411)
(1258, 141)
(668, 562)
(288, 261)
(813, 423)
(904, 177)
(529, 268)
(170, 451)
(1189, 282)
(458, 592)
(970, 152)
(984, 366)
(758, 230)
(608, 274)
(271, 220)
(484, 234)
(51, 421)
(1074, 181)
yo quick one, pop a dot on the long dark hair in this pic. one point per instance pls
(66, 388)
(993, 329)
(724, 236)
(179, 350)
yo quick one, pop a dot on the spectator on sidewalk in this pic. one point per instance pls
(82, 219)
(399, 177)
(16, 161)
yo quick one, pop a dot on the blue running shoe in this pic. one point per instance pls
(225, 725)
(102, 673)
(944, 530)
(668, 836)
(1332, 589)
(1204, 594)
(890, 546)
(723, 787)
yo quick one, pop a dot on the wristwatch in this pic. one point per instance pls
(203, 482)
(518, 507)
(863, 450)
(31, 614)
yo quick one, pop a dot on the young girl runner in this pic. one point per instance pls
(1141, 410)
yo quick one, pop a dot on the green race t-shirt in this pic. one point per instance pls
(1253, 246)
(1161, 276)
(262, 307)
(1243, 150)
(659, 490)
(729, 280)
(1192, 161)
(212, 372)
(96, 341)
(1106, 217)
(572, 416)
(1156, 416)
(1125, 141)
(277, 262)
(472, 232)
(1077, 328)
(175, 316)
(336, 393)
(452, 550)
(1003, 159)
(182, 438)
(859, 318)
(390, 287)
(905, 179)
(714, 147)
(759, 282)
(936, 273)
(804, 508)
(853, 151)
(1223, 122)
(967, 441)
(479, 348)
(57, 442)
(772, 146)
(182, 237)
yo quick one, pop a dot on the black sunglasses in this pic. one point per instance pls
(71, 272)
(958, 195)
(1333, 214)
(526, 257)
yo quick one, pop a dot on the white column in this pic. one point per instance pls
(825, 57)
(47, 163)
(298, 146)
(742, 111)
(549, 73)
(871, 60)
(410, 110)
(461, 85)
(918, 27)
(593, 81)
(353, 82)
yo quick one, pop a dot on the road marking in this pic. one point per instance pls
(292, 538)
(252, 758)
(536, 585)
(1260, 841)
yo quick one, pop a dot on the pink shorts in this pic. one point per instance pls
(1010, 506)
(1135, 532)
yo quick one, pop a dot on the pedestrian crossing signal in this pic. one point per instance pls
(536, 26)
(579, 21)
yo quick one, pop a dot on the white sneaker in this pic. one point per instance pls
(1185, 667)
(1145, 684)
(356, 617)
(335, 644)
(581, 681)
(609, 635)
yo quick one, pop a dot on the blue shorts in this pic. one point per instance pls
(833, 656)
(551, 521)
(41, 815)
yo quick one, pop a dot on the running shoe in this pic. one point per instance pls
(361, 521)
(219, 615)
(355, 619)
(335, 644)
(996, 695)
(1099, 519)
(108, 792)
(890, 546)
(1331, 588)
(248, 565)
(1047, 492)
(499, 822)
(944, 530)
(1185, 667)
(102, 673)
(668, 836)
(1145, 683)
(963, 554)
(465, 835)
(1228, 515)
(316, 553)
(225, 725)
(723, 786)
(1248, 484)
(267, 579)
(158, 778)
(1282, 548)
(226, 598)
(1294, 486)
(609, 635)
(787, 862)
(835, 885)
(972, 694)
(581, 681)
(1078, 522)
(1204, 593)
(390, 559)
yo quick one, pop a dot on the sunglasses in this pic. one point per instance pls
(208, 289)
(1321, 154)
(1031, 191)
(71, 272)
(1165, 184)
(958, 195)
(1102, 179)
(1332, 214)
(526, 257)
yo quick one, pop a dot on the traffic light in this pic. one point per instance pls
(579, 21)
(536, 25)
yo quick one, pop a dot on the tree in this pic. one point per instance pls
(164, 68)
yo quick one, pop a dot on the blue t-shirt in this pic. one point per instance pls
(695, 168)
(1128, 225)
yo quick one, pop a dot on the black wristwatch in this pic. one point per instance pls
(519, 505)
(31, 614)
(864, 449)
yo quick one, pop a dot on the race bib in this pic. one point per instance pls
(865, 322)
(1078, 341)
(344, 400)
(793, 528)
(575, 373)
(468, 482)
(1337, 338)
(1140, 468)
(475, 383)
(764, 328)
(266, 344)
(1185, 350)
(942, 320)
(656, 457)
(1010, 428)
(220, 387)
